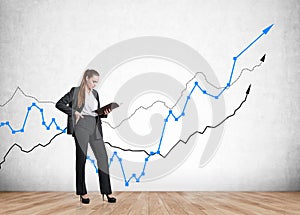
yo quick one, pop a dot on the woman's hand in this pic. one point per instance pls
(107, 111)
(78, 116)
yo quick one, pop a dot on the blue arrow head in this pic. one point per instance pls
(266, 30)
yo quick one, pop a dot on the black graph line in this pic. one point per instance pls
(214, 126)
(132, 150)
(159, 101)
(196, 132)
(127, 150)
(27, 151)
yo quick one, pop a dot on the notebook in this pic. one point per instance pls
(101, 110)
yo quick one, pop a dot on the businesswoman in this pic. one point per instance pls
(85, 126)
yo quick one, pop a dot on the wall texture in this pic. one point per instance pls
(46, 45)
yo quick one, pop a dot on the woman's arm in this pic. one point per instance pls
(97, 97)
(63, 103)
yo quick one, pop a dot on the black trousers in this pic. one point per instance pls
(85, 132)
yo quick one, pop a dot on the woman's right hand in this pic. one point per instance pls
(78, 116)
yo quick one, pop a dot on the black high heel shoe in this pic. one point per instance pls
(84, 201)
(109, 199)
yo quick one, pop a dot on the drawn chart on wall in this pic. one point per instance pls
(169, 97)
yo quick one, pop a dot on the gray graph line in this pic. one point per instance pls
(218, 88)
(186, 85)
(158, 101)
(245, 69)
(18, 88)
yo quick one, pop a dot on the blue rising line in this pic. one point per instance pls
(143, 171)
(25, 121)
(222, 91)
(196, 85)
(186, 102)
(249, 45)
(162, 134)
(265, 31)
(233, 66)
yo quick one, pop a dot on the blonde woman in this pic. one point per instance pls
(85, 126)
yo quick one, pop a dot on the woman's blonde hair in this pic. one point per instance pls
(81, 94)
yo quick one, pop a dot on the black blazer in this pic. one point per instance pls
(68, 105)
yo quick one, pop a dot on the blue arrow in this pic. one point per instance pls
(265, 31)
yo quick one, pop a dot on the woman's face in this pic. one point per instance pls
(92, 81)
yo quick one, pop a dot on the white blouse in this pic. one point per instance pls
(90, 104)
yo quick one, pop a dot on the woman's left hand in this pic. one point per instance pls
(107, 111)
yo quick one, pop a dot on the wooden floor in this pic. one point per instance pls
(152, 203)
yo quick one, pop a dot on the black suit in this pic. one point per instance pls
(68, 105)
(87, 130)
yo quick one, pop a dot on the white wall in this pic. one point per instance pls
(46, 45)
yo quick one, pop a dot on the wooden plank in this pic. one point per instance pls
(125, 205)
(188, 206)
(105, 208)
(171, 204)
(156, 205)
(133, 203)
(140, 206)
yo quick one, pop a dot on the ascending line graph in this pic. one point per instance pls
(115, 154)
(30, 150)
(176, 118)
(264, 32)
(134, 175)
(108, 143)
(53, 121)
(170, 114)
(186, 86)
